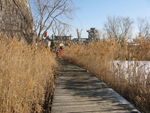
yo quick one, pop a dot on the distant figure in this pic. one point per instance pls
(60, 52)
(52, 45)
(45, 34)
(47, 39)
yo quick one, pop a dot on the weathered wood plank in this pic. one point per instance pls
(78, 91)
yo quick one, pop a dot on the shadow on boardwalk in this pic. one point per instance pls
(79, 91)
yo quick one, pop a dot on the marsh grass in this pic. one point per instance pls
(99, 58)
(25, 73)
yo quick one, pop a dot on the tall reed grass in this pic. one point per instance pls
(26, 75)
(100, 58)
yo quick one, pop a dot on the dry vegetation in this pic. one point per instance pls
(97, 57)
(26, 76)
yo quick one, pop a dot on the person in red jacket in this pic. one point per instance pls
(60, 52)
(45, 34)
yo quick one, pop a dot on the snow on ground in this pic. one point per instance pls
(131, 68)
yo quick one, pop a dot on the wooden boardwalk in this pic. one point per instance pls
(78, 91)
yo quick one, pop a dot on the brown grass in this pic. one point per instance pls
(98, 57)
(25, 73)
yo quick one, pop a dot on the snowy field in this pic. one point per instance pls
(131, 68)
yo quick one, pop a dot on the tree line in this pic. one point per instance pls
(51, 15)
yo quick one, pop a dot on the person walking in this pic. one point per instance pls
(60, 52)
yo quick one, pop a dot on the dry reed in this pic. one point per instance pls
(99, 58)
(25, 73)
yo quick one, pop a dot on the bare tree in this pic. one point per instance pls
(49, 11)
(60, 29)
(118, 27)
(144, 28)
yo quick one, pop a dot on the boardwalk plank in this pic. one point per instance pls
(78, 91)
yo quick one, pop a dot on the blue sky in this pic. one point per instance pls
(93, 13)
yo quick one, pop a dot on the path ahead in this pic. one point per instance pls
(78, 91)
